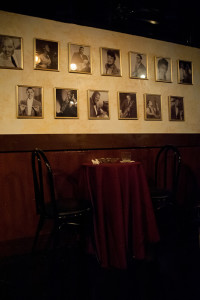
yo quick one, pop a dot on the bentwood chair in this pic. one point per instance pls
(48, 207)
(163, 195)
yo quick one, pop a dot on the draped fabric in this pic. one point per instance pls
(124, 221)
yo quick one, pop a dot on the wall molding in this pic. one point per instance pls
(27, 142)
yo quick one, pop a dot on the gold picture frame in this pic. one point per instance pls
(80, 59)
(98, 105)
(110, 62)
(46, 55)
(176, 108)
(152, 107)
(11, 52)
(30, 102)
(163, 69)
(66, 103)
(127, 106)
(185, 72)
(138, 65)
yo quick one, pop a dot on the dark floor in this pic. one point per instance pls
(172, 274)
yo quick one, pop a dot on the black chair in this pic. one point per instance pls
(164, 192)
(167, 171)
(50, 208)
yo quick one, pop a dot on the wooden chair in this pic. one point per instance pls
(48, 207)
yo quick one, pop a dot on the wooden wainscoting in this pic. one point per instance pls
(66, 153)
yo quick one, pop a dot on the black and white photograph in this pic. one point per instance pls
(152, 107)
(163, 69)
(11, 52)
(185, 72)
(29, 102)
(110, 62)
(46, 55)
(98, 105)
(127, 106)
(80, 59)
(66, 103)
(176, 108)
(138, 65)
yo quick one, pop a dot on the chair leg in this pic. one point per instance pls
(39, 228)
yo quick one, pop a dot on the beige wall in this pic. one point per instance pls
(29, 28)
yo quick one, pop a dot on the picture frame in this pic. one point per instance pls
(46, 55)
(176, 108)
(80, 59)
(98, 105)
(66, 103)
(127, 106)
(138, 63)
(11, 52)
(163, 69)
(110, 62)
(185, 72)
(30, 102)
(152, 107)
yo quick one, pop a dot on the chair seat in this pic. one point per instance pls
(161, 198)
(64, 211)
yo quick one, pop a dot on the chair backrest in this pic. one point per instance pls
(42, 172)
(167, 167)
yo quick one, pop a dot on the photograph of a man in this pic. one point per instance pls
(66, 103)
(30, 102)
(138, 65)
(176, 108)
(10, 52)
(79, 59)
(127, 106)
(110, 62)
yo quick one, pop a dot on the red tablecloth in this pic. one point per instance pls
(124, 221)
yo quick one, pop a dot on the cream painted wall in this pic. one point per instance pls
(30, 27)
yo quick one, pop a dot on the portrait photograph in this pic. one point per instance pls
(127, 106)
(138, 65)
(176, 108)
(46, 55)
(163, 69)
(98, 105)
(29, 102)
(66, 103)
(11, 52)
(152, 107)
(80, 59)
(185, 72)
(110, 62)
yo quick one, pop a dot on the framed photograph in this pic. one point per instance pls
(127, 106)
(98, 105)
(163, 69)
(152, 107)
(11, 52)
(29, 102)
(176, 108)
(138, 65)
(110, 62)
(80, 59)
(46, 55)
(185, 72)
(66, 103)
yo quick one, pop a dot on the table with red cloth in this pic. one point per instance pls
(124, 221)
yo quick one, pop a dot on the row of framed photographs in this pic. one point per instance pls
(30, 105)
(46, 57)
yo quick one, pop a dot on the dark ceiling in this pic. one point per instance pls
(172, 21)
